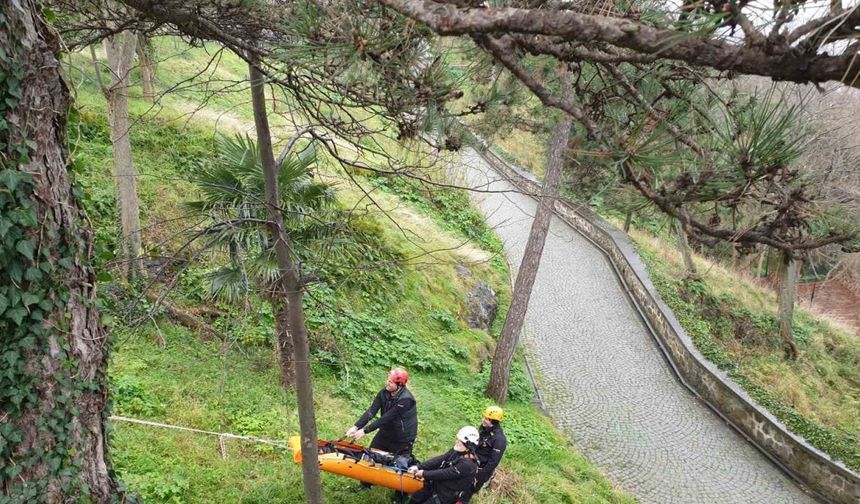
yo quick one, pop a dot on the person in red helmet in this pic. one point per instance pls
(398, 418)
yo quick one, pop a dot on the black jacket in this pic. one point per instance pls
(398, 421)
(450, 475)
(491, 446)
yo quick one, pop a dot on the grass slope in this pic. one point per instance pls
(409, 314)
(732, 323)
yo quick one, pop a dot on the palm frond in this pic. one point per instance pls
(232, 194)
(229, 283)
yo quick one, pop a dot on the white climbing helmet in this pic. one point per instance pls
(469, 436)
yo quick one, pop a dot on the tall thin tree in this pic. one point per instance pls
(148, 66)
(292, 286)
(120, 49)
(500, 373)
(787, 294)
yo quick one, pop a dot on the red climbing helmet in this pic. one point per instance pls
(398, 376)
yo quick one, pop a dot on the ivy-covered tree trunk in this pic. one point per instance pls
(53, 388)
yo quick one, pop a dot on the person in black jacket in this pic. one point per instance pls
(448, 478)
(398, 420)
(491, 446)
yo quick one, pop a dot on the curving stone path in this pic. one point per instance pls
(605, 382)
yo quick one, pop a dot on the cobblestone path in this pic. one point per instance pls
(606, 384)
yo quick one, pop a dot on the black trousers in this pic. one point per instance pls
(425, 496)
(480, 481)
(384, 442)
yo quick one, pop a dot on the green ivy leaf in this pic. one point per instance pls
(14, 296)
(4, 303)
(11, 178)
(28, 299)
(11, 357)
(16, 315)
(15, 272)
(25, 216)
(16, 400)
(26, 248)
(33, 274)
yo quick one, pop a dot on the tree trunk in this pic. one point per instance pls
(628, 219)
(687, 254)
(120, 52)
(788, 276)
(147, 66)
(291, 284)
(53, 388)
(500, 373)
(284, 344)
(758, 271)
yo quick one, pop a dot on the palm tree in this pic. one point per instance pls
(232, 195)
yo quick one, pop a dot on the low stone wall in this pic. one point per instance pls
(831, 480)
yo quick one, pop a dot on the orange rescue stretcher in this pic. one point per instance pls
(355, 461)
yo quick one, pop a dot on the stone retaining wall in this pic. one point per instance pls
(831, 480)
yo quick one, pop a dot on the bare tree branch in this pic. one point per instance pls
(781, 62)
(502, 50)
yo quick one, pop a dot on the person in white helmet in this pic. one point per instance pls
(449, 477)
(491, 446)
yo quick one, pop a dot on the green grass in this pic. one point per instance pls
(732, 323)
(409, 314)
(523, 148)
(193, 384)
(451, 210)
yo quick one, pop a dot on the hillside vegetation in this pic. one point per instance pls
(732, 323)
(405, 305)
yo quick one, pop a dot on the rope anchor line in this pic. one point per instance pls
(221, 435)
